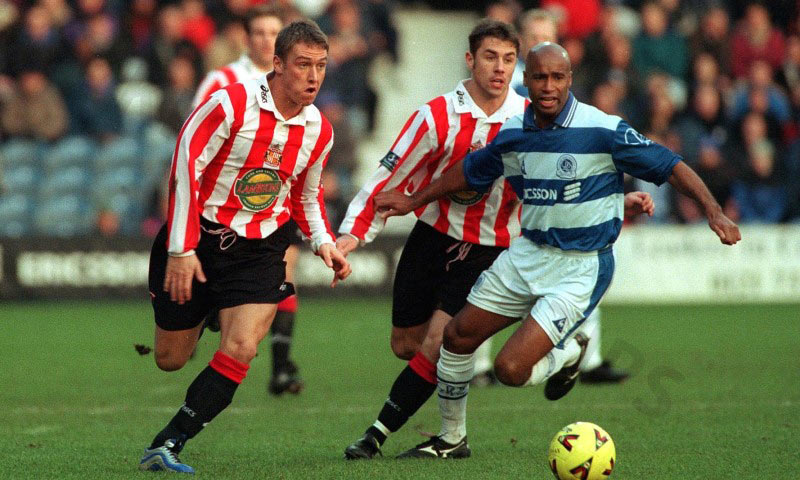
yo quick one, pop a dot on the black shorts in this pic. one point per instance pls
(238, 271)
(295, 236)
(435, 272)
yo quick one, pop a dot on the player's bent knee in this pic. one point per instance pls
(244, 351)
(511, 372)
(455, 341)
(404, 348)
(168, 361)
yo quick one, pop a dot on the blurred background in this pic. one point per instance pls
(93, 93)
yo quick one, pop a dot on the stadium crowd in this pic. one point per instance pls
(94, 92)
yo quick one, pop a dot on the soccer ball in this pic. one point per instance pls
(582, 451)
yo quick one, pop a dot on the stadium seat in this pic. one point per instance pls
(18, 151)
(15, 214)
(122, 152)
(64, 216)
(21, 178)
(74, 179)
(69, 152)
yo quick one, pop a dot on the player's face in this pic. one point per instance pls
(548, 77)
(261, 41)
(493, 65)
(303, 72)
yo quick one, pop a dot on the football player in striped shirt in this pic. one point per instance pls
(246, 161)
(262, 24)
(565, 161)
(456, 238)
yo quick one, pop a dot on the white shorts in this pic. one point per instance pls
(558, 288)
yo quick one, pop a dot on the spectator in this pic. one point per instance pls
(176, 103)
(137, 98)
(789, 74)
(535, 26)
(576, 18)
(762, 95)
(760, 195)
(657, 49)
(226, 47)
(168, 44)
(198, 26)
(139, 25)
(704, 120)
(713, 37)
(506, 11)
(97, 113)
(349, 58)
(37, 43)
(756, 39)
(35, 109)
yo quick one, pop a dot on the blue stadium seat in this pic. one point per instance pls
(19, 151)
(122, 152)
(64, 216)
(24, 178)
(74, 179)
(69, 152)
(15, 214)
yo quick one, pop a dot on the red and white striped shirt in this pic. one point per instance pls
(436, 137)
(239, 163)
(240, 70)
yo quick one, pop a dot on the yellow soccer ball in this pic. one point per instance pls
(582, 451)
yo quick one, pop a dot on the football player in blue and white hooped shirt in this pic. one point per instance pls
(565, 160)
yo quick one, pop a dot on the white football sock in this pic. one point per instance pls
(454, 372)
(591, 328)
(555, 359)
(483, 357)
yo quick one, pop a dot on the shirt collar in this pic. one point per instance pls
(309, 113)
(463, 103)
(563, 119)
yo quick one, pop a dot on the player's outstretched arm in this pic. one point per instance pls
(346, 243)
(393, 203)
(336, 261)
(637, 203)
(688, 183)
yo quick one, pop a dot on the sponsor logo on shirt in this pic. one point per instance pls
(258, 189)
(466, 197)
(460, 98)
(390, 161)
(264, 92)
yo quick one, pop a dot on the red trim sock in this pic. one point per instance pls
(229, 367)
(288, 304)
(423, 367)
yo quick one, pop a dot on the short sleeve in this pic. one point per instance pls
(640, 157)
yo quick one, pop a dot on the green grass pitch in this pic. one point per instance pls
(715, 393)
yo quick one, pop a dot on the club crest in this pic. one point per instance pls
(273, 156)
(566, 167)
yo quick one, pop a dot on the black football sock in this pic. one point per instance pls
(282, 328)
(409, 392)
(209, 394)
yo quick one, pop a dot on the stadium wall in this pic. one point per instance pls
(654, 264)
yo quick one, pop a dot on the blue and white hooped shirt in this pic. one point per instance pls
(570, 176)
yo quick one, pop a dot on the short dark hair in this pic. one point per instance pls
(492, 28)
(300, 31)
(259, 11)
